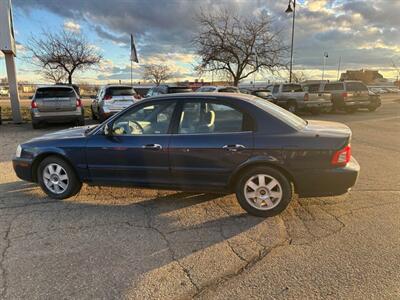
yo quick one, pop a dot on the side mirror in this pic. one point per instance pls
(108, 129)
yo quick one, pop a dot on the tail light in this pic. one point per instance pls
(342, 157)
(33, 104)
(344, 95)
(306, 97)
(107, 97)
(78, 102)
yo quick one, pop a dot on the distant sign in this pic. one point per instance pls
(7, 37)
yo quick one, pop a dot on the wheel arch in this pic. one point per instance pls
(258, 163)
(40, 157)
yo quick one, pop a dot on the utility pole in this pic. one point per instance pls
(7, 46)
(291, 10)
(323, 68)
(338, 69)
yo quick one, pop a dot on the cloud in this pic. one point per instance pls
(364, 33)
(72, 26)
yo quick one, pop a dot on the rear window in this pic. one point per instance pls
(356, 86)
(312, 88)
(281, 114)
(172, 90)
(292, 88)
(54, 92)
(334, 87)
(120, 91)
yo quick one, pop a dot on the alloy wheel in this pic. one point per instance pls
(263, 192)
(55, 178)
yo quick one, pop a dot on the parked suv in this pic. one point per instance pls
(57, 103)
(347, 95)
(292, 97)
(112, 99)
(167, 89)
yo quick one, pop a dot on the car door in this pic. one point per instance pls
(210, 141)
(136, 150)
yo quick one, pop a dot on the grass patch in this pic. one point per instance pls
(6, 114)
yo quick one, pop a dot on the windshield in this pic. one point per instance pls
(54, 93)
(281, 114)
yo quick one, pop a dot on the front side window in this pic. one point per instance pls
(208, 117)
(149, 119)
(356, 86)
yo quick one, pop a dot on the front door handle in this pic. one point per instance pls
(234, 147)
(152, 146)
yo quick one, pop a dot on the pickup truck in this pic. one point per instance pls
(295, 99)
(347, 95)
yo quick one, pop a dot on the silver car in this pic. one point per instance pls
(56, 104)
(218, 89)
(112, 99)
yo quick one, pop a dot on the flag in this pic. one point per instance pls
(134, 56)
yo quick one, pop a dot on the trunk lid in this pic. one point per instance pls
(331, 135)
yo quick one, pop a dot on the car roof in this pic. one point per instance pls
(55, 86)
(240, 96)
(118, 85)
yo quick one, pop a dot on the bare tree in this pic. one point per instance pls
(238, 45)
(157, 73)
(54, 75)
(299, 76)
(65, 51)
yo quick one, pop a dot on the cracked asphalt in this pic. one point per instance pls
(111, 243)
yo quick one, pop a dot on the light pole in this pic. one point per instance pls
(323, 68)
(291, 10)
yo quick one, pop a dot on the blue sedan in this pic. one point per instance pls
(230, 143)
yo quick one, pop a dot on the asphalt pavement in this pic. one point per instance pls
(140, 244)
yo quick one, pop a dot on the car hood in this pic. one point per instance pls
(327, 128)
(75, 132)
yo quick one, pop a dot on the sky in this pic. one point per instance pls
(365, 34)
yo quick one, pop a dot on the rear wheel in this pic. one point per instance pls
(80, 122)
(94, 117)
(315, 111)
(350, 110)
(57, 178)
(372, 108)
(263, 191)
(35, 124)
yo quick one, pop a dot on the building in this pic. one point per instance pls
(366, 76)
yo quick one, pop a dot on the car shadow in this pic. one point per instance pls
(99, 225)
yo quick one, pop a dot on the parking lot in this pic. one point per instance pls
(140, 244)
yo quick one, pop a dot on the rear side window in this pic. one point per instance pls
(334, 87)
(55, 92)
(120, 91)
(275, 89)
(208, 117)
(356, 86)
(292, 88)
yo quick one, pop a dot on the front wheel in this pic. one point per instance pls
(57, 178)
(350, 110)
(292, 107)
(263, 192)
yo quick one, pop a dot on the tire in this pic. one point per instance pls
(67, 187)
(372, 108)
(94, 117)
(350, 110)
(315, 111)
(292, 107)
(80, 122)
(262, 205)
(35, 124)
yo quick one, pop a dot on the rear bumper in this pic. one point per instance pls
(311, 105)
(327, 182)
(23, 168)
(57, 116)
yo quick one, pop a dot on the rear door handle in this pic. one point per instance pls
(152, 146)
(234, 147)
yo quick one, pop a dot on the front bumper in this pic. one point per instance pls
(23, 168)
(327, 182)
